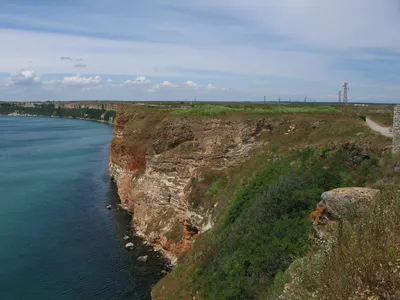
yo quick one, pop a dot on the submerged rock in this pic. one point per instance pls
(142, 258)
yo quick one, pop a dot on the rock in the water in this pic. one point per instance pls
(129, 246)
(109, 206)
(142, 258)
(126, 238)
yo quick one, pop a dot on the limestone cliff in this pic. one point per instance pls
(156, 158)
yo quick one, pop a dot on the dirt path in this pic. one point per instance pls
(382, 130)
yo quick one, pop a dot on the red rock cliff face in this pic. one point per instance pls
(156, 157)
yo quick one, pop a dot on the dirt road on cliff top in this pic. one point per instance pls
(382, 130)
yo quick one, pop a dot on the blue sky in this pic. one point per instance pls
(208, 50)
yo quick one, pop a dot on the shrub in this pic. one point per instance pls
(360, 260)
(363, 117)
(267, 227)
(215, 188)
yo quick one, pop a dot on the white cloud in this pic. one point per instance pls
(65, 58)
(210, 86)
(191, 84)
(138, 80)
(162, 85)
(76, 81)
(24, 77)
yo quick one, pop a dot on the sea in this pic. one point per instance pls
(58, 240)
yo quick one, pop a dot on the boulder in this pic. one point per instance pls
(129, 246)
(337, 203)
(109, 206)
(142, 258)
(396, 168)
(126, 238)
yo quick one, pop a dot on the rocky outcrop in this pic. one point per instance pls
(156, 158)
(337, 203)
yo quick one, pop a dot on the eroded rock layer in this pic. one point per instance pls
(156, 158)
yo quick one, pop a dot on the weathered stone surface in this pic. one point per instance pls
(396, 167)
(142, 258)
(335, 204)
(396, 129)
(129, 245)
(154, 159)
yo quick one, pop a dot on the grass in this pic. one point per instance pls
(265, 229)
(359, 261)
(296, 110)
(262, 206)
(204, 110)
(216, 110)
(214, 189)
(383, 119)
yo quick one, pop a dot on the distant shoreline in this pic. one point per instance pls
(55, 117)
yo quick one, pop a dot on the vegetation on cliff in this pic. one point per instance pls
(265, 229)
(358, 260)
(264, 238)
(215, 110)
(258, 208)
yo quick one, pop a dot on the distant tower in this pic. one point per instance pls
(345, 90)
(340, 96)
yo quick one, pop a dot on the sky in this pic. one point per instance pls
(209, 50)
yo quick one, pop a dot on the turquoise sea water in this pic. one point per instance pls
(57, 239)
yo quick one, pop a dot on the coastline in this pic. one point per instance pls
(168, 261)
(56, 117)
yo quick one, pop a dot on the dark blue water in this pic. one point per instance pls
(57, 239)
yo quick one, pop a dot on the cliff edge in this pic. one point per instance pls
(156, 160)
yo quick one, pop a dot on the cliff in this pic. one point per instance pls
(227, 188)
(157, 161)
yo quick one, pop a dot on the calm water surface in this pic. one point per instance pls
(57, 239)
